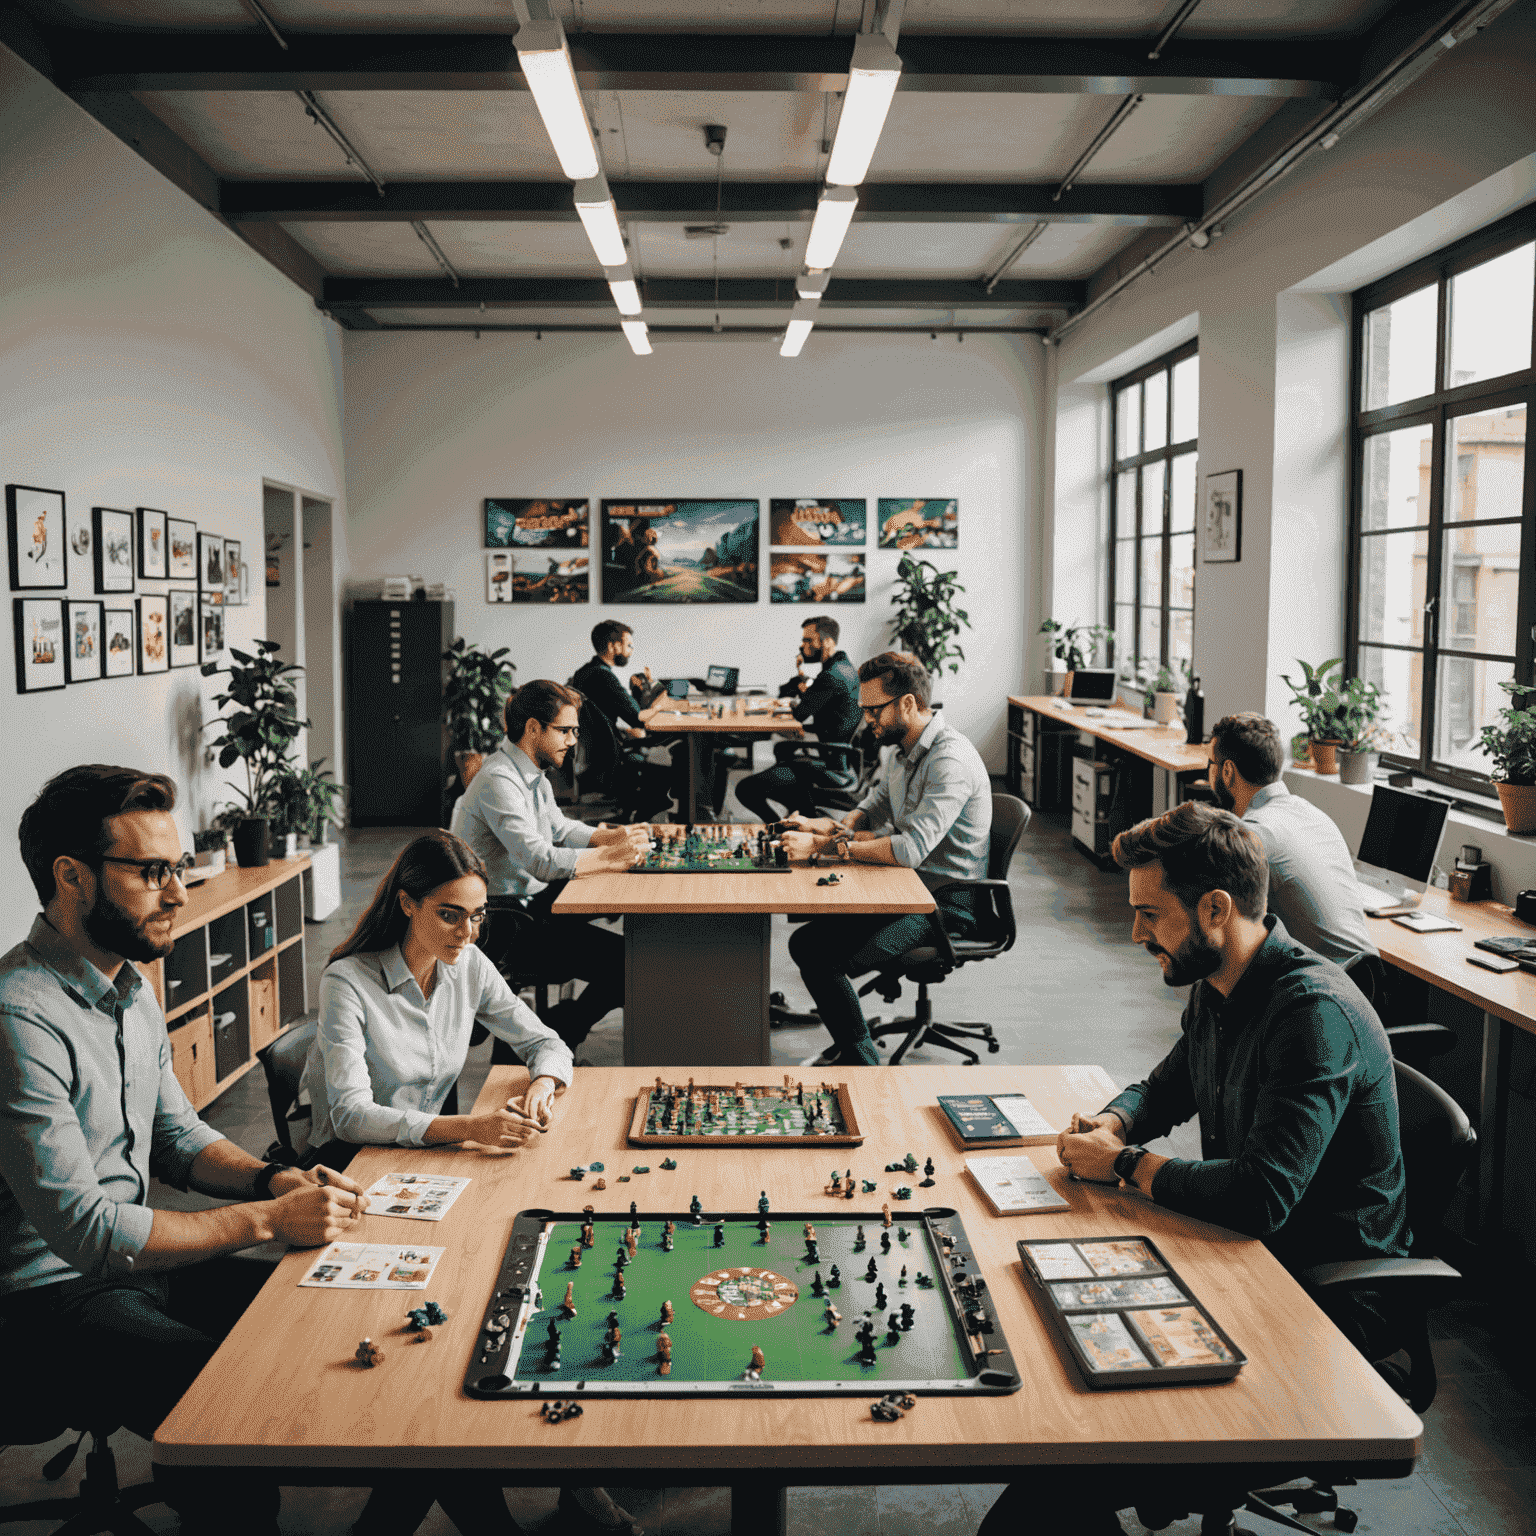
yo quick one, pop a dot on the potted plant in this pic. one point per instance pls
(477, 688)
(1512, 746)
(260, 728)
(1165, 698)
(1356, 712)
(302, 804)
(927, 620)
(1301, 749)
(1074, 645)
(1315, 701)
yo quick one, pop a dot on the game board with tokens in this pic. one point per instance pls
(726, 849)
(795, 1114)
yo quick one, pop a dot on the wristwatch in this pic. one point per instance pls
(261, 1185)
(1126, 1161)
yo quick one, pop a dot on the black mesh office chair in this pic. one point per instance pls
(636, 788)
(996, 931)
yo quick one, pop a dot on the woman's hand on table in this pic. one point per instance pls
(502, 1129)
(537, 1102)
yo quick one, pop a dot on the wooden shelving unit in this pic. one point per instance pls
(235, 979)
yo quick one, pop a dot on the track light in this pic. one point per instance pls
(595, 209)
(811, 285)
(872, 80)
(638, 335)
(626, 294)
(546, 62)
(801, 318)
(834, 213)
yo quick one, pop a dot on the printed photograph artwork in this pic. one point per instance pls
(1221, 528)
(514, 523)
(183, 620)
(545, 576)
(919, 523)
(117, 642)
(210, 630)
(113, 532)
(498, 578)
(680, 551)
(817, 520)
(231, 573)
(40, 644)
(35, 528)
(82, 655)
(182, 536)
(797, 578)
(154, 560)
(210, 563)
(79, 537)
(154, 633)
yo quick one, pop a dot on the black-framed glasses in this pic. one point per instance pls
(872, 713)
(157, 872)
(570, 732)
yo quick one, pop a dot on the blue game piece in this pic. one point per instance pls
(669, 1163)
(903, 1193)
(597, 1168)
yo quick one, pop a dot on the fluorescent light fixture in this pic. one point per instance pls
(801, 318)
(626, 294)
(872, 79)
(811, 285)
(638, 336)
(834, 213)
(594, 207)
(546, 62)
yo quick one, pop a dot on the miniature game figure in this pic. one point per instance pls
(669, 1164)
(872, 1271)
(924, 1282)
(576, 1257)
(422, 1319)
(633, 1209)
(812, 1251)
(757, 1359)
(902, 1234)
(817, 1288)
(720, 1234)
(667, 1239)
(858, 1237)
(568, 1306)
(601, 1184)
(578, 1173)
(663, 1355)
(695, 1205)
(903, 1279)
(832, 1316)
(885, 1213)
(588, 1234)
(903, 1193)
(552, 1334)
(928, 1179)
(834, 1276)
(870, 1186)
(666, 1312)
(909, 1162)
(879, 1296)
(908, 1314)
(619, 1287)
(764, 1227)
(885, 1411)
(622, 1257)
(613, 1338)
(893, 1329)
(836, 1187)
(631, 1242)
(848, 1185)
(885, 1242)
(762, 1202)
(639, 1169)
(368, 1354)
(596, 1167)
(810, 1231)
(866, 1338)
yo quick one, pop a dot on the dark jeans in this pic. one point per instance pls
(123, 1350)
(792, 783)
(829, 950)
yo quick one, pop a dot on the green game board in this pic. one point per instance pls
(704, 853)
(805, 1114)
(728, 1299)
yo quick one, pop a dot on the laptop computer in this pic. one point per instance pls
(722, 679)
(1091, 685)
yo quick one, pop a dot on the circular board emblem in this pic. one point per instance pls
(744, 1295)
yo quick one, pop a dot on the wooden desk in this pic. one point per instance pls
(283, 1391)
(697, 951)
(696, 724)
(1165, 747)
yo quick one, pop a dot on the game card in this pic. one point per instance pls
(373, 1267)
(418, 1196)
(1129, 1257)
(1059, 1261)
(1181, 1336)
(1106, 1344)
(1014, 1185)
(1117, 1293)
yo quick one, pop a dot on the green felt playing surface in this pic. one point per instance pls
(714, 1342)
(766, 1112)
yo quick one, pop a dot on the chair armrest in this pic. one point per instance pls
(1370, 1272)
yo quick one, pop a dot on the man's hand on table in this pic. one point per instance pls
(1090, 1145)
(800, 845)
(313, 1206)
(613, 849)
(822, 826)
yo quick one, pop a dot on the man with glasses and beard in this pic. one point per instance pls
(931, 811)
(123, 1304)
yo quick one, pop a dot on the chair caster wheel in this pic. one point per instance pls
(1345, 1519)
(993, 1046)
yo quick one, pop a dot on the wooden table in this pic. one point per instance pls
(283, 1391)
(697, 954)
(696, 724)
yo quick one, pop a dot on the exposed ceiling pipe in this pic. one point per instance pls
(425, 236)
(1183, 14)
(996, 276)
(708, 328)
(320, 116)
(1397, 75)
(255, 8)
(1100, 139)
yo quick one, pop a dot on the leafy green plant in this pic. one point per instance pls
(478, 684)
(927, 620)
(1354, 711)
(1314, 698)
(1074, 644)
(306, 800)
(261, 724)
(1512, 745)
(1164, 682)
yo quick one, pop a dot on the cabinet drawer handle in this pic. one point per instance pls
(220, 1020)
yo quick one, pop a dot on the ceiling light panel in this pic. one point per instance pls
(551, 77)
(834, 213)
(637, 335)
(595, 209)
(873, 76)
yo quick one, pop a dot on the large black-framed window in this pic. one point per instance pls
(1154, 430)
(1442, 592)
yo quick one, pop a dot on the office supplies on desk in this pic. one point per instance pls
(1495, 963)
(1426, 922)
(1472, 878)
(1091, 685)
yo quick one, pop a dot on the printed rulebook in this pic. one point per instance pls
(1014, 1186)
(997, 1120)
(418, 1196)
(373, 1267)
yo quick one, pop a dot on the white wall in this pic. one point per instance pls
(437, 423)
(147, 358)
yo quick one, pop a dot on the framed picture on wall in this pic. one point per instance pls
(919, 522)
(113, 532)
(816, 520)
(154, 560)
(39, 644)
(542, 576)
(680, 551)
(182, 536)
(79, 537)
(210, 626)
(154, 633)
(34, 521)
(232, 573)
(513, 522)
(1221, 519)
(82, 652)
(794, 577)
(210, 563)
(117, 641)
(183, 618)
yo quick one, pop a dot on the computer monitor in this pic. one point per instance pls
(1399, 846)
(722, 679)
(1093, 685)
(677, 687)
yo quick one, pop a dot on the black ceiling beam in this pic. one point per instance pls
(727, 63)
(348, 293)
(693, 202)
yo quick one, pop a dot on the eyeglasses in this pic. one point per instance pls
(873, 713)
(570, 732)
(456, 917)
(157, 872)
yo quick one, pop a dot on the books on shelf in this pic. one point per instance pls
(996, 1120)
(1014, 1186)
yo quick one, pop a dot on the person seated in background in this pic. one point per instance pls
(121, 1304)
(931, 811)
(1290, 1074)
(649, 785)
(1312, 885)
(830, 706)
(530, 848)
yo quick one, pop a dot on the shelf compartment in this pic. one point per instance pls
(265, 1025)
(292, 985)
(260, 931)
(231, 1028)
(226, 946)
(192, 1056)
(288, 899)
(186, 969)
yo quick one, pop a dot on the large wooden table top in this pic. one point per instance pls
(283, 1389)
(761, 722)
(1167, 746)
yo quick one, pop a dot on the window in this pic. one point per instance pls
(1441, 596)
(1155, 414)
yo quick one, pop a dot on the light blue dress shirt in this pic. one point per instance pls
(937, 798)
(509, 817)
(89, 1109)
(385, 1057)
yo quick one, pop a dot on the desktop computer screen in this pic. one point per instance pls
(1093, 685)
(722, 679)
(1401, 841)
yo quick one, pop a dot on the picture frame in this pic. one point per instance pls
(181, 535)
(680, 550)
(816, 576)
(210, 626)
(210, 563)
(232, 597)
(514, 522)
(113, 551)
(816, 521)
(182, 616)
(154, 643)
(82, 641)
(1221, 518)
(40, 643)
(919, 522)
(80, 537)
(154, 560)
(119, 641)
(36, 540)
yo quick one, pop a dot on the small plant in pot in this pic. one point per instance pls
(927, 621)
(1512, 746)
(302, 804)
(476, 692)
(1074, 645)
(1315, 701)
(1356, 712)
(1165, 697)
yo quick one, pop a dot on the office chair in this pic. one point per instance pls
(516, 955)
(636, 788)
(942, 955)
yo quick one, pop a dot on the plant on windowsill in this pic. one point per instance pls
(927, 620)
(1315, 700)
(473, 698)
(1512, 746)
(1356, 715)
(1074, 645)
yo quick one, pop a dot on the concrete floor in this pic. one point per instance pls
(1074, 989)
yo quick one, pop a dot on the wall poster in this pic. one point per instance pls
(40, 642)
(680, 551)
(210, 629)
(35, 540)
(113, 532)
(153, 555)
(183, 619)
(154, 631)
(517, 523)
(183, 541)
(82, 655)
(908, 522)
(815, 578)
(1221, 521)
(210, 563)
(817, 520)
(117, 641)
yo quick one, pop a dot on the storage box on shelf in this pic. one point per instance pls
(236, 977)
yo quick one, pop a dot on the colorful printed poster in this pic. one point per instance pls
(680, 551)
(919, 523)
(817, 520)
(816, 579)
(543, 576)
(513, 523)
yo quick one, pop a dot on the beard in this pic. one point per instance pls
(1223, 796)
(544, 758)
(117, 933)
(1192, 961)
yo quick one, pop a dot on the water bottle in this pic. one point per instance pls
(1194, 712)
